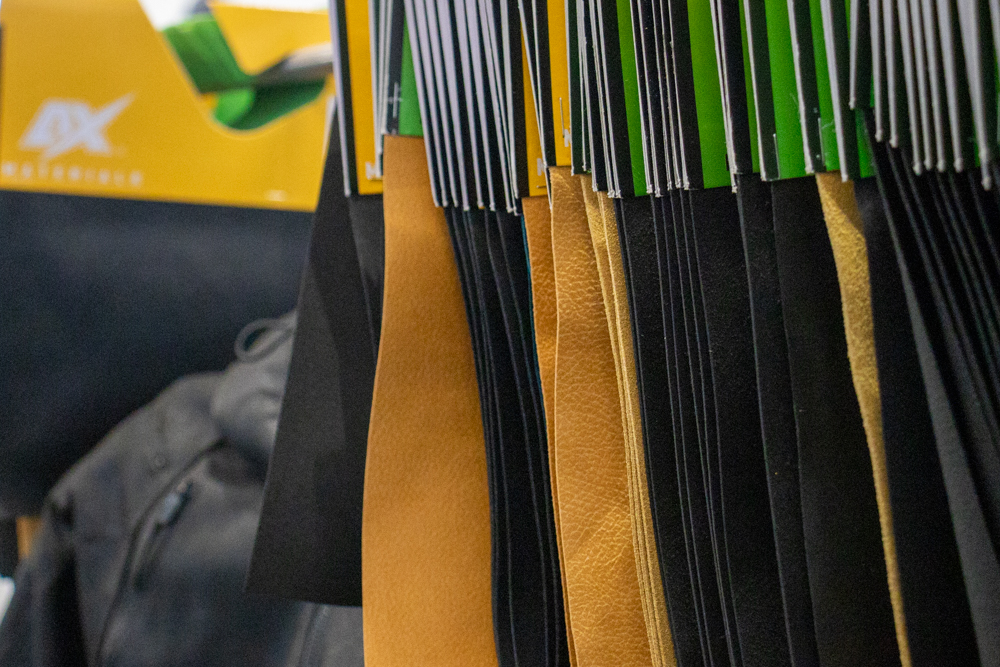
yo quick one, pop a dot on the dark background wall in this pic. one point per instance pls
(104, 302)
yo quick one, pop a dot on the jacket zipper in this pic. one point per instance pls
(126, 574)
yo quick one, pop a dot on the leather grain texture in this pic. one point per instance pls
(657, 625)
(425, 531)
(595, 520)
(538, 234)
(846, 230)
(595, 202)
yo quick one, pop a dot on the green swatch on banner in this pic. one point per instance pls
(827, 128)
(409, 106)
(751, 108)
(630, 79)
(788, 131)
(708, 95)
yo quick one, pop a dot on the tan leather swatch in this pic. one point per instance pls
(657, 624)
(538, 230)
(595, 518)
(604, 235)
(426, 528)
(595, 220)
(846, 230)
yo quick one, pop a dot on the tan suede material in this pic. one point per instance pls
(538, 230)
(845, 227)
(426, 578)
(595, 518)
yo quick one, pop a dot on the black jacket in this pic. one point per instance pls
(145, 543)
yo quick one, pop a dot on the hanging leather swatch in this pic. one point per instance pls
(426, 564)
(599, 210)
(852, 612)
(743, 532)
(464, 227)
(536, 613)
(538, 233)
(601, 580)
(665, 455)
(640, 260)
(938, 622)
(690, 367)
(777, 418)
(845, 229)
(308, 543)
(956, 416)
(657, 622)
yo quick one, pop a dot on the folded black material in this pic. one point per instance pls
(847, 580)
(107, 301)
(309, 541)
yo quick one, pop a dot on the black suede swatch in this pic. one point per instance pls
(960, 424)
(744, 534)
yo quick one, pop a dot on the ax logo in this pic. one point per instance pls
(61, 126)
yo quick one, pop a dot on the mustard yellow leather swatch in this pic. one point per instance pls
(538, 230)
(595, 519)
(595, 220)
(426, 528)
(607, 248)
(846, 230)
(657, 625)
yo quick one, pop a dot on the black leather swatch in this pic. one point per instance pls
(744, 534)
(520, 334)
(637, 222)
(938, 621)
(461, 226)
(777, 417)
(663, 457)
(309, 541)
(690, 381)
(850, 593)
(956, 418)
